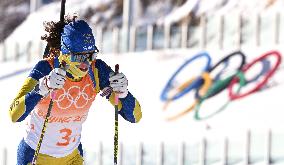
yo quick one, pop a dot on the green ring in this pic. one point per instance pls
(215, 87)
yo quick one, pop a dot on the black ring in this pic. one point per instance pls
(197, 96)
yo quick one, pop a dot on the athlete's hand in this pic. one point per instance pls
(118, 83)
(55, 80)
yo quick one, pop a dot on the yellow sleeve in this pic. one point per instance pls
(18, 106)
(129, 107)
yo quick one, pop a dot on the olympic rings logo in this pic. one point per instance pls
(206, 87)
(66, 100)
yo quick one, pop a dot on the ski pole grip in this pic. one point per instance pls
(116, 96)
(116, 68)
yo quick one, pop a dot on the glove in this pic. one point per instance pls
(118, 83)
(55, 80)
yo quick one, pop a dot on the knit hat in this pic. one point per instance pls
(77, 37)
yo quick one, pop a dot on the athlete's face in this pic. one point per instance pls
(78, 64)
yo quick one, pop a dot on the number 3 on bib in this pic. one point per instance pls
(66, 137)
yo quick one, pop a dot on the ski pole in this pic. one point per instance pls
(43, 128)
(62, 13)
(53, 93)
(116, 121)
(64, 66)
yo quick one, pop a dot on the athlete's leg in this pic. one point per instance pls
(72, 159)
(80, 148)
(24, 153)
(77, 159)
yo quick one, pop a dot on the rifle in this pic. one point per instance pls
(62, 13)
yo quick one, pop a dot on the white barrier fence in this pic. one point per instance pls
(230, 31)
(253, 148)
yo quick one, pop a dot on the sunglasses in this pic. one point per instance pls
(84, 56)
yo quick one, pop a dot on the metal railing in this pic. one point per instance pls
(247, 149)
(208, 150)
(218, 32)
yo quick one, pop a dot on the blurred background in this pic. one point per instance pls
(162, 45)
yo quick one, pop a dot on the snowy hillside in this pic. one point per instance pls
(109, 13)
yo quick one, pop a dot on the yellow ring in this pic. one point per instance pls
(206, 85)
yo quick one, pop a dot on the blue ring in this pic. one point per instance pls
(266, 65)
(195, 84)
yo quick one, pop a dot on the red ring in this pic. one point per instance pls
(234, 96)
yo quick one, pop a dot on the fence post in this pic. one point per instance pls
(184, 33)
(225, 152)
(240, 30)
(247, 148)
(126, 19)
(161, 154)
(167, 35)
(5, 156)
(28, 51)
(115, 39)
(99, 41)
(181, 154)
(203, 27)
(4, 52)
(132, 43)
(268, 151)
(139, 160)
(150, 37)
(277, 27)
(17, 51)
(258, 29)
(34, 5)
(221, 32)
(40, 50)
(203, 149)
(1, 52)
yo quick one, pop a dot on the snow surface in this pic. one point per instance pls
(147, 75)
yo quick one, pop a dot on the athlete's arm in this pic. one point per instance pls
(27, 97)
(129, 107)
